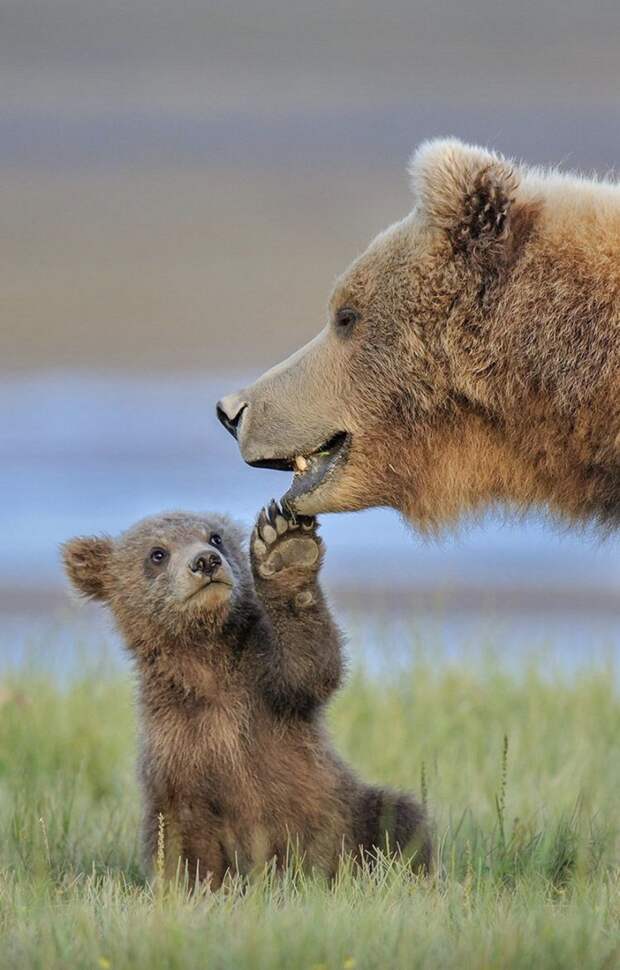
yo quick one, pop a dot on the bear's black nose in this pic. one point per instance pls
(229, 411)
(205, 563)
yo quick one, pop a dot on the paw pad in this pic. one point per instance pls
(280, 541)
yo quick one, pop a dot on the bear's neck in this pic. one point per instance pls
(183, 669)
(179, 681)
(531, 458)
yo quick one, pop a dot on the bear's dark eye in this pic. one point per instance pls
(215, 539)
(158, 555)
(346, 318)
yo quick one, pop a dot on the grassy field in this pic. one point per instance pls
(521, 772)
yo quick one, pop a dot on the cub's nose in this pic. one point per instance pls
(205, 563)
(229, 411)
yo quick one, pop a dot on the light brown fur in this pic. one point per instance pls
(484, 363)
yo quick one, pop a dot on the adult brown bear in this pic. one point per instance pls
(471, 356)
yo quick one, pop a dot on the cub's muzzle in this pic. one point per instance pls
(205, 563)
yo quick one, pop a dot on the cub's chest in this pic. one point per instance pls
(200, 737)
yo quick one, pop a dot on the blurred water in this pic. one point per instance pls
(83, 453)
(72, 640)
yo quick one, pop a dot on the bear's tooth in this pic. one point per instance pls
(301, 464)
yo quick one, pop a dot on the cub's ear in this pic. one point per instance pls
(86, 560)
(467, 192)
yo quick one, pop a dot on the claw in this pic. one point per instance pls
(274, 509)
(266, 530)
(289, 513)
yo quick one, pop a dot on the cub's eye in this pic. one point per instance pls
(215, 539)
(346, 317)
(158, 555)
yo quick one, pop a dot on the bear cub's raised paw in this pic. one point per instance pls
(284, 547)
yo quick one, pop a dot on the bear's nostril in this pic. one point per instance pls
(229, 414)
(205, 563)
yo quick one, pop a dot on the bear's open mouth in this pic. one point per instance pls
(313, 469)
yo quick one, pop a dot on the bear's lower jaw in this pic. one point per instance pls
(313, 472)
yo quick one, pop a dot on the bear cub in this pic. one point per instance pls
(236, 657)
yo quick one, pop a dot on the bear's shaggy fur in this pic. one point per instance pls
(236, 658)
(472, 354)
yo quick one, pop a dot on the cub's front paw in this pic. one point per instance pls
(282, 546)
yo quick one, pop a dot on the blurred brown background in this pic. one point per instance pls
(181, 182)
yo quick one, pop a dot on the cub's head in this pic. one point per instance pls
(170, 575)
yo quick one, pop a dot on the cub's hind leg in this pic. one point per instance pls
(394, 823)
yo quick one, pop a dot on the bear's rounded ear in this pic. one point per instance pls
(467, 192)
(86, 560)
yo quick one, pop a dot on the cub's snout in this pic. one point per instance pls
(204, 577)
(205, 563)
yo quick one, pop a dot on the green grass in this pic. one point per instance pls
(522, 774)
